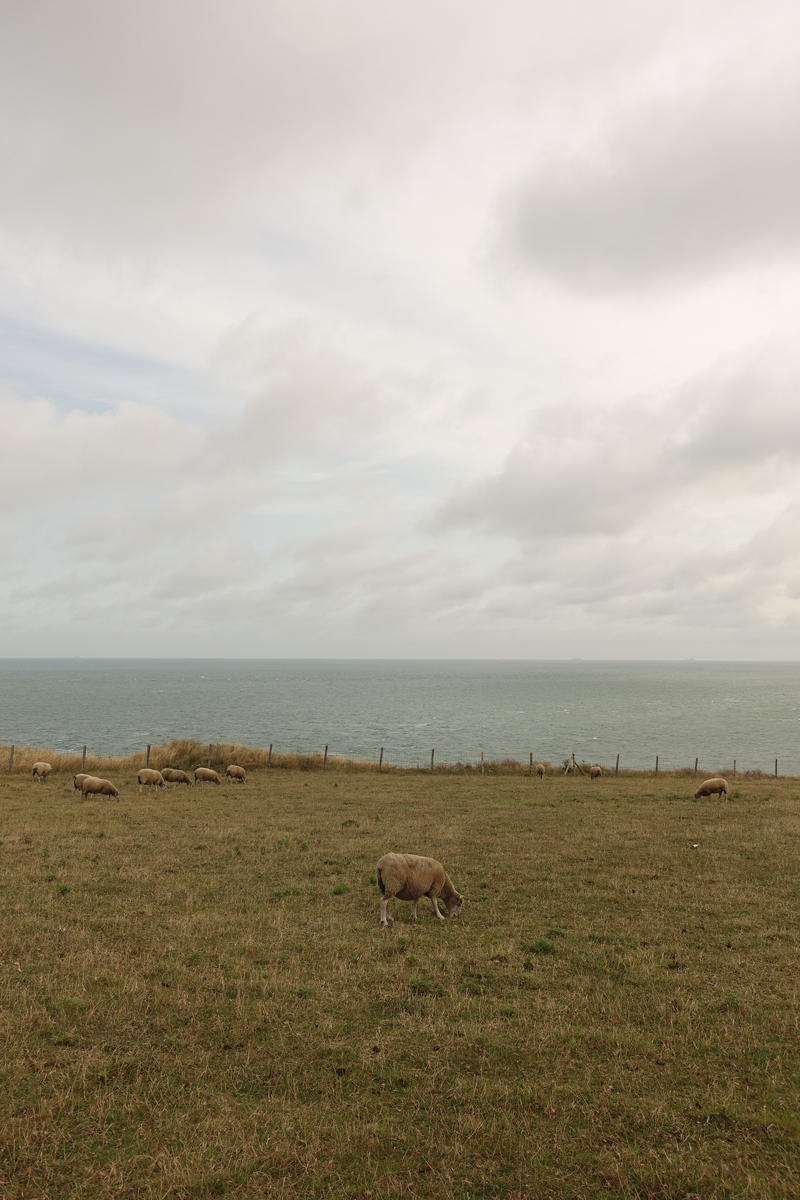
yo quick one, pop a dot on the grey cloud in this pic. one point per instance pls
(155, 119)
(604, 472)
(678, 185)
(52, 456)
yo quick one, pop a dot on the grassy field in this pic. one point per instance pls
(198, 999)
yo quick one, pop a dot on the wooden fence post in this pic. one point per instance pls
(616, 768)
(209, 755)
(432, 753)
(481, 762)
(656, 764)
(83, 760)
(325, 759)
(776, 767)
(734, 768)
(380, 761)
(530, 768)
(269, 756)
(695, 768)
(147, 763)
(11, 762)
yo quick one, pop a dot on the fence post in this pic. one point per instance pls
(325, 759)
(83, 760)
(656, 764)
(616, 768)
(530, 768)
(269, 756)
(380, 761)
(734, 768)
(11, 762)
(147, 763)
(432, 753)
(481, 762)
(209, 755)
(695, 768)
(776, 767)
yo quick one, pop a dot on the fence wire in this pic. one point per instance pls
(425, 760)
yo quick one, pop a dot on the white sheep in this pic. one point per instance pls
(147, 777)
(205, 775)
(77, 780)
(596, 773)
(172, 775)
(716, 785)
(540, 770)
(410, 876)
(92, 785)
(40, 771)
(235, 773)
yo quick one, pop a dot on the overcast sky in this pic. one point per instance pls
(440, 328)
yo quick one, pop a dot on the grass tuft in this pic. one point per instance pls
(540, 945)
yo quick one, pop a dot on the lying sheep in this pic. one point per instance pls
(77, 781)
(540, 770)
(236, 773)
(712, 786)
(40, 771)
(410, 876)
(596, 773)
(172, 775)
(91, 785)
(149, 778)
(205, 775)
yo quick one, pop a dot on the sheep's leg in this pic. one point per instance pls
(414, 910)
(435, 904)
(385, 918)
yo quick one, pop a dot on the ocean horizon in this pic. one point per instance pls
(596, 709)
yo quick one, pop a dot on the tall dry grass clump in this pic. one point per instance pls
(183, 753)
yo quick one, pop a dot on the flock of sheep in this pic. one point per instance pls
(93, 785)
(399, 876)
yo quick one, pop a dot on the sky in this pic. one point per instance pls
(434, 329)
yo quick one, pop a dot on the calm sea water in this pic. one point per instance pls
(714, 711)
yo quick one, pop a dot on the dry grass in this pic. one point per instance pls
(198, 1000)
(185, 755)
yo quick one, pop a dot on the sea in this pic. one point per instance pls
(679, 711)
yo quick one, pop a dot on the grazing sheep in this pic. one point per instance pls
(91, 785)
(717, 784)
(235, 773)
(409, 876)
(205, 775)
(40, 771)
(77, 781)
(540, 770)
(172, 775)
(595, 772)
(149, 778)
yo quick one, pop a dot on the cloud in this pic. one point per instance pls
(261, 396)
(53, 456)
(161, 122)
(608, 470)
(675, 182)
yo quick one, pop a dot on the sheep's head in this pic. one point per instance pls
(454, 905)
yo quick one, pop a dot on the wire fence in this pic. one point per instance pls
(387, 758)
(400, 758)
